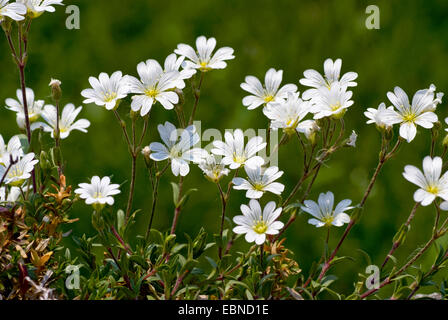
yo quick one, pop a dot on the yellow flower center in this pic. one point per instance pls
(110, 96)
(15, 172)
(432, 189)
(239, 159)
(204, 66)
(335, 107)
(269, 98)
(328, 220)
(409, 117)
(258, 187)
(152, 92)
(260, 226)
(97, 195)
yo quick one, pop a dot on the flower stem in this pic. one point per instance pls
(197, 94)
(383, 158)
(441, 231)
(223, 215)
(178, 208)
(155, 193)
(397, 243)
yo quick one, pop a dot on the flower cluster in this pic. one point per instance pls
(315, 117)
(409, 115)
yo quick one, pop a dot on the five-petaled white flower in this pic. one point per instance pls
(19, 171)
(203, 59)
(381, 116)
(332, 72)
(12, 149)
(420, 112)
(431, 184)
(256, 224)
(178, 148)
(106, 91)
(324, 213)
(235, 153)
(13, 195)
(98, 192)
(260, 180)
(173, 63)
(34, 107)
(213, 169)
(67, 121)
(154, 85)
(14, 10)
(332, 101)
(287, 115)
(270, 93)
(37, 7)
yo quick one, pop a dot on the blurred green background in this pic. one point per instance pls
(410, 50)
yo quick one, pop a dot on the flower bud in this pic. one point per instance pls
(180, 94)
(445, 141)
(146, 152)
(388, 133)
(56, 91)
(133, 114)
(6, 25)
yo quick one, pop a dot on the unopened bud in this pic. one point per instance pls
(180, 94)
(6, 25)
(146, 152)
(388, 133)
(56, 91)
(445, 141)
(133, 114)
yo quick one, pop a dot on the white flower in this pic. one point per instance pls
(67, 121)
(381, 116)
(98, 192)
(287, 114)
(213, 169)
(324, 213)
(410, 115)
(270, 93)
(332, 72)
(20, 171)
(202, 59)
(234, 152)
(154, 85)
(13, 195)
(352, 139)
(256, 224)
(34, 107)
(106, 91)
(37, 7)
(15, 10)
(431, 184)
(173, 63)
(177, 148)
(13, 148)
(259, 181)
(332, 101)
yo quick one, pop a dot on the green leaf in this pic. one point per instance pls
(185, 197)
(212, 262)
